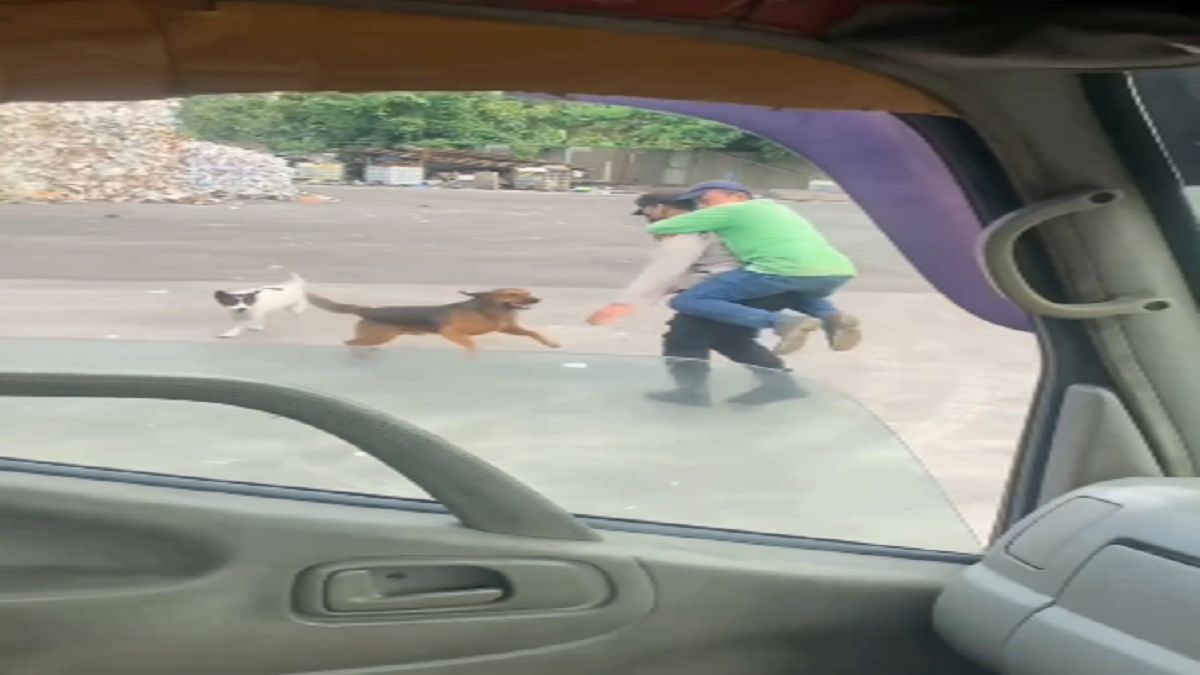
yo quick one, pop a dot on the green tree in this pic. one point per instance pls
(327, 122)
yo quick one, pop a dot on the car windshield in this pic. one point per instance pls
(567, 424)
(264, 237)
(1170, 98)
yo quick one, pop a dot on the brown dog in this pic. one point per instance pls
(485, 312)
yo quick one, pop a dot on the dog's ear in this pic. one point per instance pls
(224, 298)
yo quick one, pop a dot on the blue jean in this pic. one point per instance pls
(717, 298)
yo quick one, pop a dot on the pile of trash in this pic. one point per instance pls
(125, 152)
(213, 169)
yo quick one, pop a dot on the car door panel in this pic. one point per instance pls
(245, 602)
(108, 577)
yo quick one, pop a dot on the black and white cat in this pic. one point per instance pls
(249, 307)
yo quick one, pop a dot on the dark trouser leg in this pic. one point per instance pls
(689, 373)
(687, 344)
(741, 346)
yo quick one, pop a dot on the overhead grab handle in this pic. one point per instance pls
(998, 257)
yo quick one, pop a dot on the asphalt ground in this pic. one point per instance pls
(931, 378)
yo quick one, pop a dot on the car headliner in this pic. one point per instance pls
(702, 50)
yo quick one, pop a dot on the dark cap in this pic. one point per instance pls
(697, 191)
(658, 197)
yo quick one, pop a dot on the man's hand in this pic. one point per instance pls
(610, 314)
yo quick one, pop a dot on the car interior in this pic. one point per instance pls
(1094, 566)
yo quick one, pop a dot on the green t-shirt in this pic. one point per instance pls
(767, 237)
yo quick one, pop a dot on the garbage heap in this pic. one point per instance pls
(125, 152)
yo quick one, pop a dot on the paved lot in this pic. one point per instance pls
(951, 386)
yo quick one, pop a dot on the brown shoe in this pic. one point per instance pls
(793, 330)
(843, 332)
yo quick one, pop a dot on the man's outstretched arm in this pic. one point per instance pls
(672, 258)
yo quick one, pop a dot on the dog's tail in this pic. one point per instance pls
(336, 307)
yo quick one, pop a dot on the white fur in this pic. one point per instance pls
(291, 295)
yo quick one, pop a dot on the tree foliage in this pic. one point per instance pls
(327, 122)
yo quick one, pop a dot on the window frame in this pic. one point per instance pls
(413, 505)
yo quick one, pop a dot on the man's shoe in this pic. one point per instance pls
(793, 331)
(775, 385)
(843, 331)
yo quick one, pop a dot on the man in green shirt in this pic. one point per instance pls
(780, 252)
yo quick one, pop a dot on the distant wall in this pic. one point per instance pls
(613, 166)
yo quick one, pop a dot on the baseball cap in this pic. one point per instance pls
(656, 198)
(697, 191)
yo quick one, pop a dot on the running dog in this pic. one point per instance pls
(485, 312)
(249, 308)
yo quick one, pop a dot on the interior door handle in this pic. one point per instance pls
(467, 597)
(384, 590)
(374, 589)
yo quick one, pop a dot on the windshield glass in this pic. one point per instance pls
(1169, 99)
(482, 266)
(566, 424)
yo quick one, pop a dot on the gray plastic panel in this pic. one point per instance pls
(1058, 642)
(1095, 439)
(1115, 590)
(233, 611)
(671, 605)
(1141, 594)
(1036, 544)
(996, 605)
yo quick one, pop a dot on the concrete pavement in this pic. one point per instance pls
(951, 386)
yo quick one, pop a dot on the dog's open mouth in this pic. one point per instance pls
(523, 304)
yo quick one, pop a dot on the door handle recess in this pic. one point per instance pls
(408, 588)
(384, 590)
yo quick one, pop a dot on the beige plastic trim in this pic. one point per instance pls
(131, 49)
(997, 254)
(481, 496)
(1095, 439)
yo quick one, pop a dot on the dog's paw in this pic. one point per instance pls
(553, 345)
